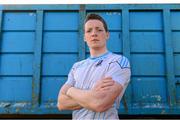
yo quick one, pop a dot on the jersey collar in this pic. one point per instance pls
(101, 56)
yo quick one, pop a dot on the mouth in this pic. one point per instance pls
(94, 40)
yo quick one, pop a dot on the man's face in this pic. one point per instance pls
(95, 34)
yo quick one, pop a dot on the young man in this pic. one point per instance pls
(95, 85)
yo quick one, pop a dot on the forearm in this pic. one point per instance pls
(88, 98)
(98, 101)
(67, 103)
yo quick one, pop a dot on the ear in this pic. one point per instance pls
(107, 35)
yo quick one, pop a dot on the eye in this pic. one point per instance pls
(88, 31)
(100, 30)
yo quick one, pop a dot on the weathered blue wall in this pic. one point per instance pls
(40, 43)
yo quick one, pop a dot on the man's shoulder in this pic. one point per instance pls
(121, 60)
(79, 63)
(115, 57)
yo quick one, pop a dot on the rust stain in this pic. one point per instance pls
(125, 104)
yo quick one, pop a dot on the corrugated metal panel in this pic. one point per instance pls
(40, 43)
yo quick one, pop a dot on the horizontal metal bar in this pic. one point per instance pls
(178, 81)
(54, 76)
(39, 7)
(16, 53)
(148, 53)
(67, 53)
(146, 30)
(133, 6)
(104, 7)
(135, 110)
(15, 75)
(151, 76)
(60, 30)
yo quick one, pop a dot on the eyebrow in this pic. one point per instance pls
(95, 27)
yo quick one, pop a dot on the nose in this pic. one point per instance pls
(94, 33)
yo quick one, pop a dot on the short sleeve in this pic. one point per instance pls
(119, 71)
(71, 80)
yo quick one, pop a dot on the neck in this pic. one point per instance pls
(97, 52)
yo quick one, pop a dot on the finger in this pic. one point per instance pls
(108, 77)
(107, 80)
(107, 84)
(105, 88)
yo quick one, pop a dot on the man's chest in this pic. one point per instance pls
(87, 75)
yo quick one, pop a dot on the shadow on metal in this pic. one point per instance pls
(55, 116)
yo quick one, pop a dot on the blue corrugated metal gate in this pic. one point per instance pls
(40, 43)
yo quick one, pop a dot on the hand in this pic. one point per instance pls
(104, 84)
(65, 89)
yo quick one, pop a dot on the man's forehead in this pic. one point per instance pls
(94, 23)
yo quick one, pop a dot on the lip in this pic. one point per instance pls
(94, 40)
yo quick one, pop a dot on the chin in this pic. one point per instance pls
(96, 47)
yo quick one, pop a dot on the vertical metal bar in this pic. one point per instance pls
(169, 59)
(126, 52)
(37, 60)
(82, 49)
(1, 19)
(125, 33)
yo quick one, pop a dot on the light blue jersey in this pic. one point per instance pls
(85, 73)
